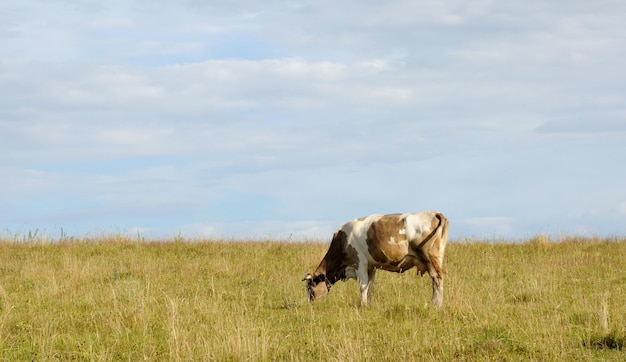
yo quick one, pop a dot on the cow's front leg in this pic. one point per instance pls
(365, 284)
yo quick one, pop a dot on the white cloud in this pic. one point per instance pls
(112, 22)
(309, 114)
(592, 123)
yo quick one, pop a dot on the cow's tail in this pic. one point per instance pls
(437, 251)
(430, 249)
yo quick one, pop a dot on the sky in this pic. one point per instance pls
(284, 119)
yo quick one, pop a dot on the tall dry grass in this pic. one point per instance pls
(111, 298)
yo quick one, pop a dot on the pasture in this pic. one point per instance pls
(111, 298)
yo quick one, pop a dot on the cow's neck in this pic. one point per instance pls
(321, 269)
(331, 274)
(320, 275)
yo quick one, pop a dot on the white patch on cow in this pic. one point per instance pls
(392, 240)
(418, 224)
(402, 232)
(350, 273)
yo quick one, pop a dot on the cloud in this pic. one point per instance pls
(112, 23)
(591, 124)
(274, 118)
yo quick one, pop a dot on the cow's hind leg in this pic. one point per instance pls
(371, 274)
(437, 278)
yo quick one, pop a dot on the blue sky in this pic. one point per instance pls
(247, 119)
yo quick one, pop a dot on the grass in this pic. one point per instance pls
(113, 299)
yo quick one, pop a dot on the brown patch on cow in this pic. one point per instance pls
(332, 268)
(386, 239)
(351, 257)
(343, 255)
(333, 259)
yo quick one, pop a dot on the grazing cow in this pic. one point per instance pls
(395, 242)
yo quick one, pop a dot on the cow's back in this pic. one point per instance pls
(389, 241)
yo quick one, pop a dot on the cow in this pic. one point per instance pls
(394, 242)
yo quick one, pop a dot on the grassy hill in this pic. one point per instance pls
(118, 299)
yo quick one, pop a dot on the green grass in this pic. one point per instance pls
(110, 298)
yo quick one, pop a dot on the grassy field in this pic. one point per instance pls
(118, 299)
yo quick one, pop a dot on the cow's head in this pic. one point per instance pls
(316, 286)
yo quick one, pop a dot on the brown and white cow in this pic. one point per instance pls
(395, 242)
